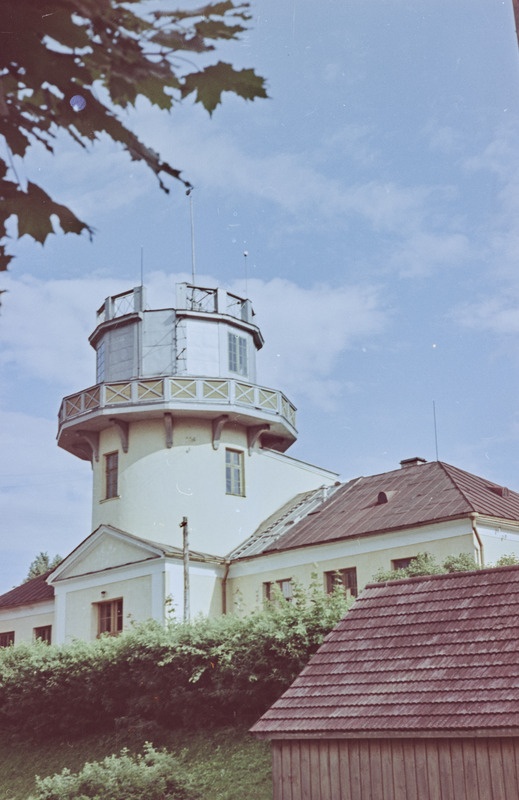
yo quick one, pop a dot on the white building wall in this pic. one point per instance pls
(207, 350)
(367, 554)
(141, 587)
(24, 619)
(498, 540)
(158, 486)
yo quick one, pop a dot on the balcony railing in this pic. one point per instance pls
(188, 297)
(184, 391)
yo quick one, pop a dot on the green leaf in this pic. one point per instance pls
(132, 53)
(34, 209)
(210, 83)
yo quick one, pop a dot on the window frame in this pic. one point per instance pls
(284, 585)
(44, 633)
(401, 563)
(7, 638)
(111, 475)
(238, 354)
(114, 617)
(343, 576)
(234, 473)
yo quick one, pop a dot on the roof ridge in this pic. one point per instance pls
(446, 468)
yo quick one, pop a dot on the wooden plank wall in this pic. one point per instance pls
(396, 769)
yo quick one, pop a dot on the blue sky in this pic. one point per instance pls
(377, 194)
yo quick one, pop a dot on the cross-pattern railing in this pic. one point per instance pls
(209, 391)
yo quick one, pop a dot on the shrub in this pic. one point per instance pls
(154, 775)
(426, 564)
(208, 672)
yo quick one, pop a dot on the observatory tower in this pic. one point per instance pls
(177, 426)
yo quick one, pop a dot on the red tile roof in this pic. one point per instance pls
(34, 591)
(432, 655)
(416, 495)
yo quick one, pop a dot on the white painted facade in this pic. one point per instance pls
(176, 428)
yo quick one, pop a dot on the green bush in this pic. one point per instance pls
(426, 564)
(154, 775)
(208, 672)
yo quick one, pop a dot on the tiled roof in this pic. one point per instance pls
(34, 591)
(435, 654)
(415, 495)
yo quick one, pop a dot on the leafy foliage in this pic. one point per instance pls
(426, 564)
(41, 564)
(423, 564)
(509, 560)
(208, 672)
(154, 775)
(109, 49)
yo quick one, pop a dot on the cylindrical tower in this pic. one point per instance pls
(176, 424)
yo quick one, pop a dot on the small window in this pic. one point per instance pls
(111, 475)
(6, 638)
(110, 617)
(100, 366)
(401, 563)
(238, 354)
(347, 578)
(234, 473)
(284, 586)
(44, 633)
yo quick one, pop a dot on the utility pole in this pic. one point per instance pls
(185, 551)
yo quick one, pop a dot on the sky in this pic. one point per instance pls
(376, 193)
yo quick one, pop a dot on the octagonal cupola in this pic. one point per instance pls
(194, 359)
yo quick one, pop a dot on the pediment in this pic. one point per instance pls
(106, 548)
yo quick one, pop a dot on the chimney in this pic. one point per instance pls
(412, 462)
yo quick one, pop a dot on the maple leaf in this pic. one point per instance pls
(131, 53)
(210, 83)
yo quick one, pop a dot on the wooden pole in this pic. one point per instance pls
(185, 551)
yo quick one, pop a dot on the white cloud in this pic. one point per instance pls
(306, 329)
(497, 314)
(293, 181)
(424, 252)
(45, 327)
(45, 496)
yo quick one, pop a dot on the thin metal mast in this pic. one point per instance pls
(435, 430)
(191, 217)
(245, 254)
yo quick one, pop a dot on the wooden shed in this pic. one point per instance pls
(413, 696)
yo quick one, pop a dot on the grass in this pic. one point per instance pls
(224, 764)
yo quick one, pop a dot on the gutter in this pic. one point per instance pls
(224, 587)
(475, 531)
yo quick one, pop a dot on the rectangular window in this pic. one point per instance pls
(284, 586)
(238, 354)
(6, 638)
(110, 617)
(234, 473)
(401, 563)
(347, 578)
(111, 475)
(44, 633)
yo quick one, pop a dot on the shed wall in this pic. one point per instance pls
(396, 769)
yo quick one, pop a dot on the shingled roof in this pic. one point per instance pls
(433, 655)
(419, 494)
(34, 591)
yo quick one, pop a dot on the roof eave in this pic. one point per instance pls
(441, 733)
(378, 532)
